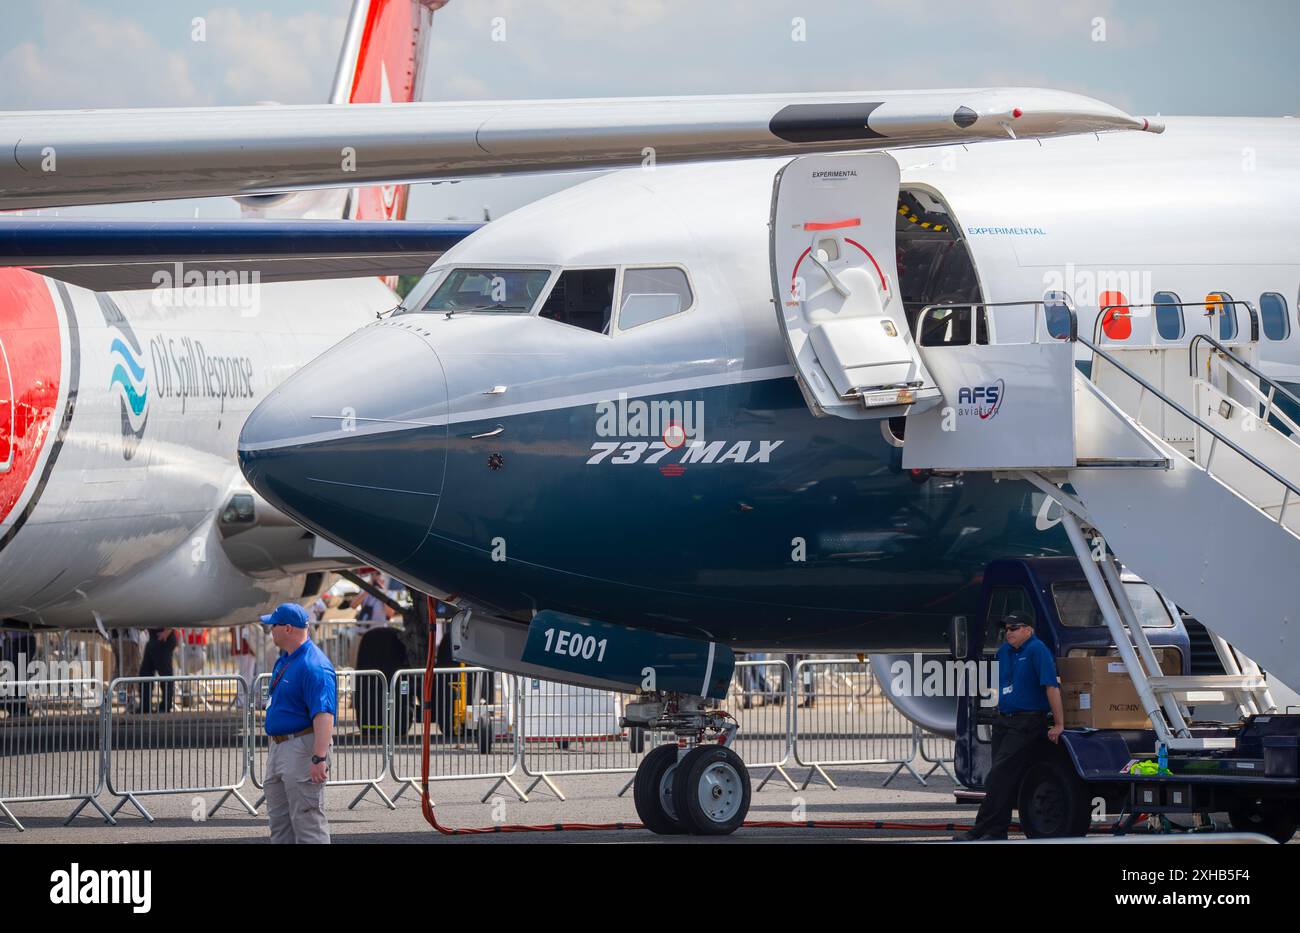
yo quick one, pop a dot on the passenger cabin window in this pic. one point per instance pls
(511, 290)
(1217, 305)
(651, 295)
(1272, 312)
(1169, 316)
(582, 298)
(1056, 309)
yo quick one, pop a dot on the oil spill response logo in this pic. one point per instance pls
(128, 375)
(674, 433)
(984, 401)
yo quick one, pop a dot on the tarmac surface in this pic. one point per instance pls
(591, 799)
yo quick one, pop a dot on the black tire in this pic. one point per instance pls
(653, 782)
(636, 739)
(485, 736)
(1054, 801)
(1273, 818)
(717, 774)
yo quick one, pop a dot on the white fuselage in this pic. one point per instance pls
(1212, 205)
(123, 526)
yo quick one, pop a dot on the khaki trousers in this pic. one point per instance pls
(295, 806)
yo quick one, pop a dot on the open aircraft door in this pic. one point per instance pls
(835, 284)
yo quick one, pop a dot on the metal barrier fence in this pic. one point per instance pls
(198, 750)
(761, 698)
(473, 735)
(566, 730)
(842, 718)
(359, 755)
(73, 740)
(938, 751)
(51, 744)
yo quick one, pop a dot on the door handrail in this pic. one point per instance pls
(972, 305)
(1250, 310)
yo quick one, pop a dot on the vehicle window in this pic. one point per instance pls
(1272, 312)
(1078, 608)
(1056, 309)
(652, 294)
(1169, 317)
(514, 290)
(582, 298)
(1002, 600)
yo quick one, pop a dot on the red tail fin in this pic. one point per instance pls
(381, 59)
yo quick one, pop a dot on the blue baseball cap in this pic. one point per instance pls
(287, 614)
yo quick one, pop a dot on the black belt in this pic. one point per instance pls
(1023, 712)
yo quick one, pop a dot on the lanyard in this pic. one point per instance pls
(276, 679)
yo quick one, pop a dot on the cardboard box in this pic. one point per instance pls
(1097, 693)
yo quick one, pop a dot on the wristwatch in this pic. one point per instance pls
(318, 759)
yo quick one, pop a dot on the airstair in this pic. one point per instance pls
(1171, 454)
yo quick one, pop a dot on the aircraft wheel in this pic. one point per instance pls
(636, 739)
(652, 791)
(711, 790)
(1273, 818)
(1054, 802)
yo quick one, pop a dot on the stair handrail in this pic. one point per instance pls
(1252, 319)
(1212, 431)
(1274, 386)
(1064, 303)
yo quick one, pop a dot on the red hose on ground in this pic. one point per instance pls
(426, 805)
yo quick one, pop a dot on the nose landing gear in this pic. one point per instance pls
(697, 785)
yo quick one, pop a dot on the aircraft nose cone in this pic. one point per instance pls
(353, 445)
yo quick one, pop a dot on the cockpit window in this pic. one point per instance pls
(651, 294)
(514, 290)
(583, 298)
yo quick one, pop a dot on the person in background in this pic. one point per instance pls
(20, 651)
(807, 689)
(321, 606)
(753, 680)
(196, 650)
(128, 648)
(158, 654)
(372, 608)
(244, 653)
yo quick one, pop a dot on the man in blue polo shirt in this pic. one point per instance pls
(299, 725)
(1027, 676)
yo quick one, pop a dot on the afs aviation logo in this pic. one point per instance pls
(984, 401)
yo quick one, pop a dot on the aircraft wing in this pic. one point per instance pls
(57, 158)
(119, 255)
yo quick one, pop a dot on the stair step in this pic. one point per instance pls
(1227, 682)
(1121, 463)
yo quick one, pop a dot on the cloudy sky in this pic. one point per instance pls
(1146, 56)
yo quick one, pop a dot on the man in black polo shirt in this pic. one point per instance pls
(1027, 676)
